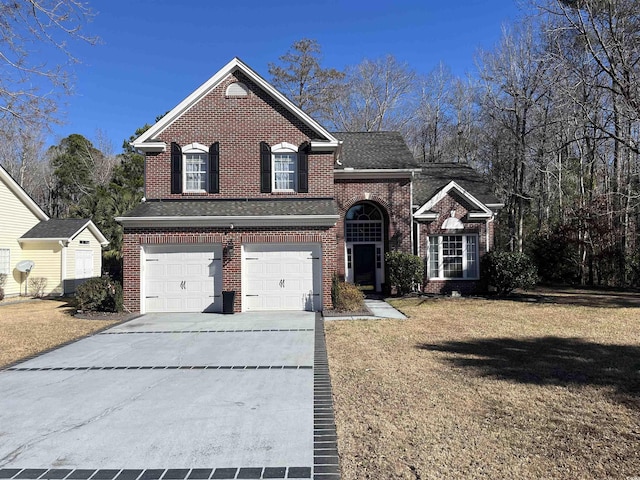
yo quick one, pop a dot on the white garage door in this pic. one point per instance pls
(282, 277)
(181, 278)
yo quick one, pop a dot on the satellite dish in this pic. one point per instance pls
(25, 266)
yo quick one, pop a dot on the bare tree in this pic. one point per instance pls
(432, 122)
(515, 84)
(300, 76)
(377, 95)
(30, 86)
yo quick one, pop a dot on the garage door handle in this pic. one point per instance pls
(152, 297)
(282, 283)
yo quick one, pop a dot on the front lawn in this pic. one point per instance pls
(473, 388)
(27, 328)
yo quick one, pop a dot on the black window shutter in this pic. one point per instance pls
(176, 168)
(303, 168)
(265, 167)
(214, 168)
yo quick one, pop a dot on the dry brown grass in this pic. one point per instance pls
(27, 328)
(472, 388)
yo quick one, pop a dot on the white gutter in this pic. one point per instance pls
(489, 220)
(231, 221)
(63, 266)
(349, 173)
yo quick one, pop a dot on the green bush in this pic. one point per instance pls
(405, 271)
(346, 297)
(100, 294)
(507, 271)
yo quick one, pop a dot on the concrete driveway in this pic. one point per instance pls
(175, 396)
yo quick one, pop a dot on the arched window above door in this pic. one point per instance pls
(363, 223)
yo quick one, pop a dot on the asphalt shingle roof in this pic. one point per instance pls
(366, 150)
(240, 208)
(56, 228)
(435, 176)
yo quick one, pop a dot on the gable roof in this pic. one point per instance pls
(374, 150)
(62, 229)
(435, 176)
(147, 142)
(23, 196)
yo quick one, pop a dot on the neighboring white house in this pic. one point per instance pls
(64, 251)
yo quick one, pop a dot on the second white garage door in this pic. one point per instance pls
(282, 277)
(183, 278)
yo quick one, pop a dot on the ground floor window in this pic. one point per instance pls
(453, 256)
(5, 261)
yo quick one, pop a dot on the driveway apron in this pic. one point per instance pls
(175, 396)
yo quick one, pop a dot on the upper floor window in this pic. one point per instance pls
(196, 162)
(284, 168)
(195, 168)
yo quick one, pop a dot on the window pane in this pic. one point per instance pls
(452, 256)
(196, 171)
(284, 168)
(363, 231)
(434, 271)
(472, 257)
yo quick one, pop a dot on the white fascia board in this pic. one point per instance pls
(442, 193)
(23, 196)
(426, 217)
(495, 206)
(374, 172)
(93, 229)
(49, 239)
(325, 146)
(236, 221)
(479, 215)
(150, 147)
(213, 82)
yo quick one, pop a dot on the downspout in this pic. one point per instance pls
(411, 225)
(488, 221)
(63, 266)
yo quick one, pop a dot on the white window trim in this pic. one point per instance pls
(194, 148)
(283, 147)
(464, 257)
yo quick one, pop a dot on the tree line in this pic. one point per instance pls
(551, 116)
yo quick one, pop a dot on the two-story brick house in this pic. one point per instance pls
(244, 192)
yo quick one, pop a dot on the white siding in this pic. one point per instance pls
(15, 220)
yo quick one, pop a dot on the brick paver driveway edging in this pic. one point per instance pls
(169, 397)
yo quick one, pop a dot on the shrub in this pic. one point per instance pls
(346, 297)
(507, 271)
(100, 294)
(3, 281)
(556, 257)
(37, 286)
(405, 271)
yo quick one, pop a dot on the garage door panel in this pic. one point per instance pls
(183, 278)
(282, 277)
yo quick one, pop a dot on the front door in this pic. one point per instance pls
(364, 265)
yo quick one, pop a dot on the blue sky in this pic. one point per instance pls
(154, 53)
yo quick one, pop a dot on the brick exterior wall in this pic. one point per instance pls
(479, 227)
(239, 124)
(137, 238)
(392, 196)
